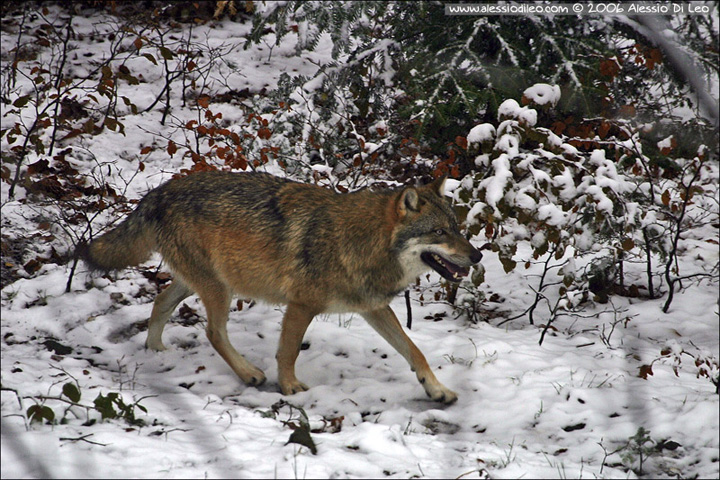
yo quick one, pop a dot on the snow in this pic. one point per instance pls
(552, 214)
(553, 140)
(665, 143)
(450, 186)
(543, 94)
(495, 186)
(513, 393)
(521, 405)
(602, 201)
(510, 109)
(510, 144)
(481, 133)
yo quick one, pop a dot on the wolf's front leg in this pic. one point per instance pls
(387, 325)
(295, 322)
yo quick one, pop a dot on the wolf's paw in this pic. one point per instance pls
(255, 378)
(155, 345)
(439, 392)
(291, 387)
(445, 396)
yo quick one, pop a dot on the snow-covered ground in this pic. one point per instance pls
(568, 408)
(524, 410)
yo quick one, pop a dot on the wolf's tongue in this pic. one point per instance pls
(462, 271)
(457, 269)
(451, 267)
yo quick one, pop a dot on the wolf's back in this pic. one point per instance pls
(177, 217)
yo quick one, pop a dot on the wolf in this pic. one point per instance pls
(284, 242)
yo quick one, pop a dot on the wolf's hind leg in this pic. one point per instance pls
(295, 322)
(216, 298)
(164, 306)
(387, 325)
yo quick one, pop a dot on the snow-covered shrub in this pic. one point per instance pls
(531, 184)
(590, 203)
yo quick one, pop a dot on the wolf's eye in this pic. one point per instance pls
(439, 232)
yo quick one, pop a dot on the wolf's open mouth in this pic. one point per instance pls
(444, 266)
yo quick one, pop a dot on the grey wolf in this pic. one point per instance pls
(283, 242)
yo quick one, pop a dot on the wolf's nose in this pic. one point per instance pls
(475, 255)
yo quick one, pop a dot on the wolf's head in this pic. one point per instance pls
(427, 234)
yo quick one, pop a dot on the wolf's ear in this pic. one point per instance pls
(438, 186)
(408, 200)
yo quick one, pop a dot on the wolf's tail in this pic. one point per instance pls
(128, 244)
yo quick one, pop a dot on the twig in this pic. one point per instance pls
(409, 309)
(83, 438)
(19, 398)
